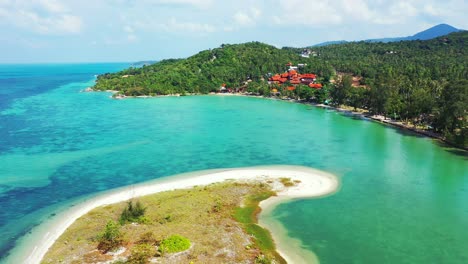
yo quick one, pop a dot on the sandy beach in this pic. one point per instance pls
(312, 183)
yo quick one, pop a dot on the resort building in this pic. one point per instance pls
(295, 78)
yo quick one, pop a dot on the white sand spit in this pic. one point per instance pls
(313, 183)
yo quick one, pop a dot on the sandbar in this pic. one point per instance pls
(310, 183)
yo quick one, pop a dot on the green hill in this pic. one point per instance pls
(201, 73)
(423, 83)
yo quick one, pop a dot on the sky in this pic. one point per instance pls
(51, 31)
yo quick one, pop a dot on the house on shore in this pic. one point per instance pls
(295, 78)
(223, 89)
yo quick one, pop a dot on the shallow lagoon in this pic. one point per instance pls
(402, 198)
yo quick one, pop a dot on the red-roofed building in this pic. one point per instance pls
(308, 78)
(315, 85)
(295, 78)
(275, 77)
(295, 81)
(309, 75)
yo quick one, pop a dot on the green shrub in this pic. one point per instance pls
(287, 182)
(173, 244)
(141, 253)
(133, 213)
(110, 238)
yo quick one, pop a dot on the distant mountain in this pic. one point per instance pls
(433, 32)
(326, 43)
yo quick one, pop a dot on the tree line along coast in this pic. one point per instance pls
(419, 84)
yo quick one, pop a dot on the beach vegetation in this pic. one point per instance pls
(174, 244)
(141, 254)
(133, 213)
(111, 237)
(247, 214)
(287, 182)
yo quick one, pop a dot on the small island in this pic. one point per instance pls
(202, 217)
(218, 223)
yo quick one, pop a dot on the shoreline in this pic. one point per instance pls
(286, 246)
(313, 183)
(375, 118)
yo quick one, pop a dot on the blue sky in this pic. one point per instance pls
(132, 30)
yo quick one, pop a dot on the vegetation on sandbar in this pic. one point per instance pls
(208, 224)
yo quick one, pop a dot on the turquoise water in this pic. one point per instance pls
(403, 198)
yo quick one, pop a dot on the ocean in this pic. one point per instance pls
(402, 197)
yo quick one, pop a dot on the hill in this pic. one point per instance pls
(204, 72)
(430, 33)
(433, 32)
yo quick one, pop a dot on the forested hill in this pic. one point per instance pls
(201, 73)
(436, 59)
(440, 60)
(421, 82)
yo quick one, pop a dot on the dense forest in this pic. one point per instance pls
(420, 82)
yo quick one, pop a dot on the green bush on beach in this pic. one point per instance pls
(133, 213)
(111, 237)
(173, 244)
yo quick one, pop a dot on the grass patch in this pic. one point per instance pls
(247, 215)
(174, 244)
(262, 236)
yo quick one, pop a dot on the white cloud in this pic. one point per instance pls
(307, 12)
(247, 18)
(41, 16)
(256, 13)
(128, 29)
(63, 24)
(131, 38)
(196, 3)
(430, 10)
(174, 26)
(328, 13)
(358, 9)
(154, 22)
(385, 12)
(53, 6)
(243, 19)
(228, 29)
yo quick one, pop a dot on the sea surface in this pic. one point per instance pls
(403, 198)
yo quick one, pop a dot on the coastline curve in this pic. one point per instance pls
(310, 183)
